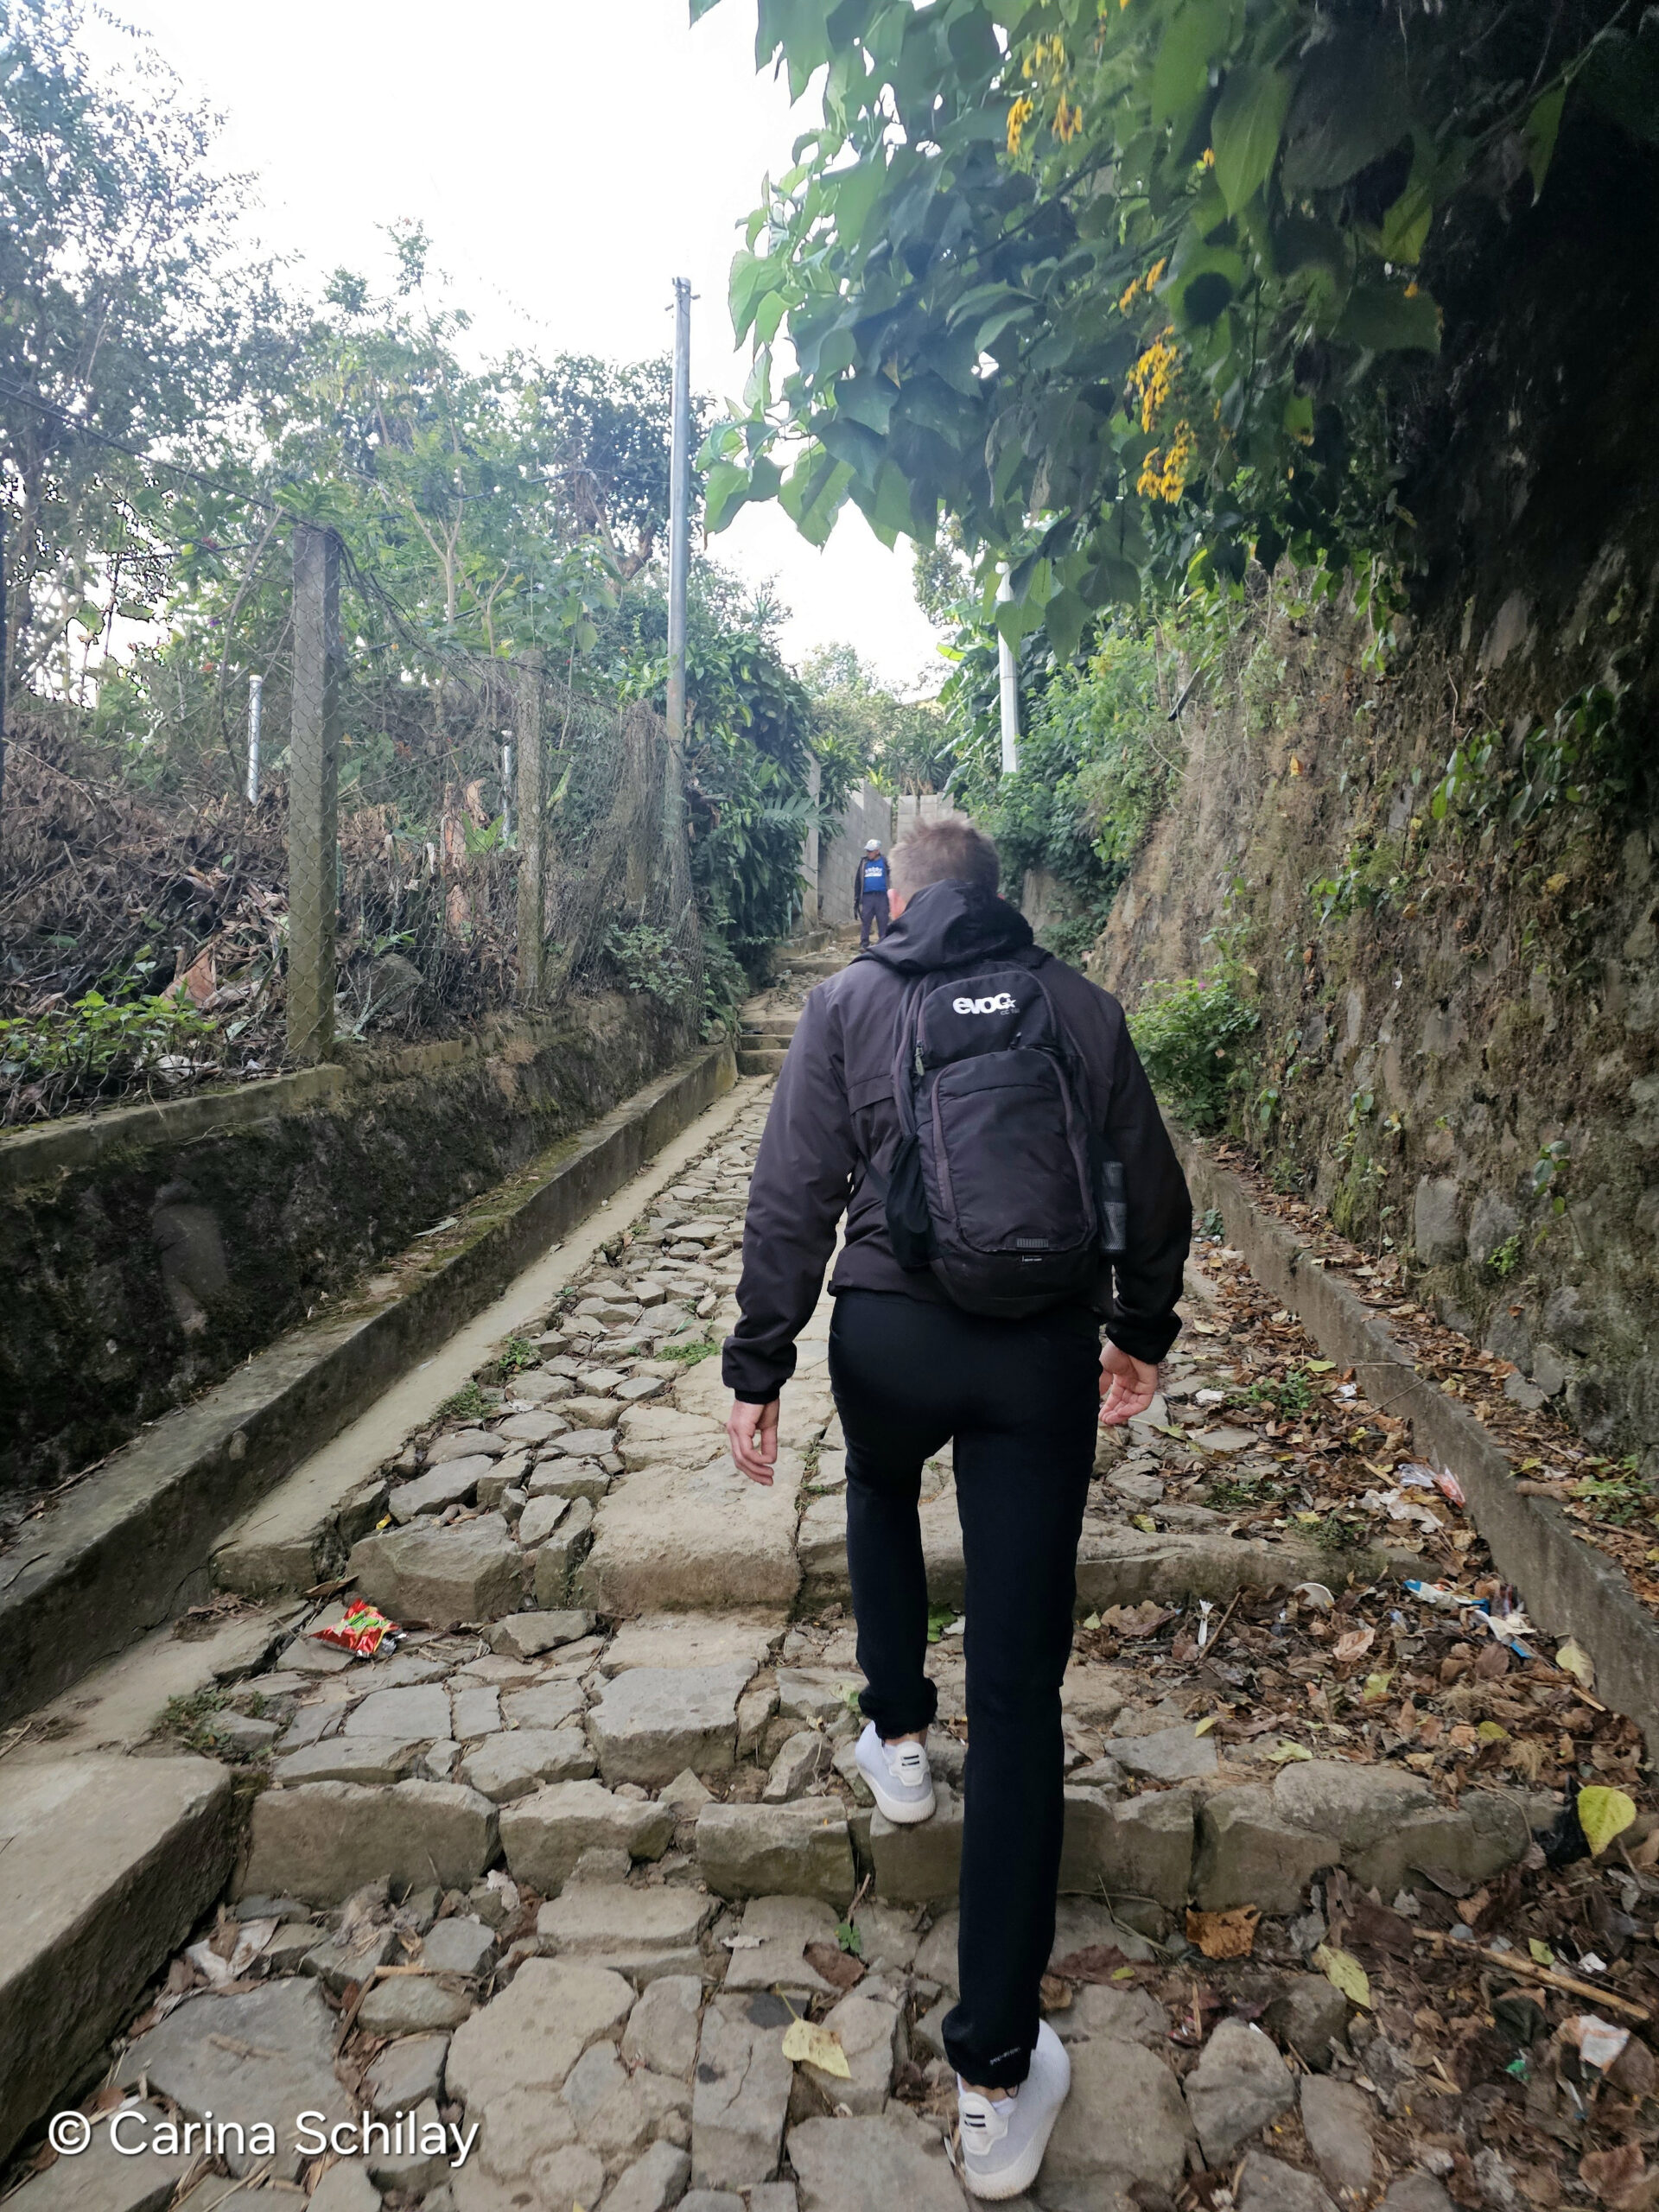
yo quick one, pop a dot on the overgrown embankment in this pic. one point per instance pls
(1433, 885)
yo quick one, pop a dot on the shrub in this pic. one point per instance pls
(1189, 1036)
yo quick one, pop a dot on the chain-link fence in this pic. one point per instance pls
(418, 806)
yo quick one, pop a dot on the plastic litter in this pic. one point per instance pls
(1316, 1594)
(1399, 1507)
(361, 1629)
(1600, 2043)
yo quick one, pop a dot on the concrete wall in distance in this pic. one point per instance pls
(868, 814)
(909, 811)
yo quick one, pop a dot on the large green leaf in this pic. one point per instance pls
(1245, 131)
(1181, 71)
(725, 489)
(1350, 106)
(1387, 320)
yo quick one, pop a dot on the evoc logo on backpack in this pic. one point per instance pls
(1000, 1185)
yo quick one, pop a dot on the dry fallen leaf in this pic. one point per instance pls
(838, 1967)
(1575, 1660)
(1225, 1935)
(1615, 2176)
(1603, 1814)
(806, 2044)
(1354, 1643)
(1057, 1994)
(1344, 1972)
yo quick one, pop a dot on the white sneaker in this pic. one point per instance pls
(899, 1777)
(1003, 2139)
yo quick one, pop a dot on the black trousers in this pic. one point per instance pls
(1021, 1398)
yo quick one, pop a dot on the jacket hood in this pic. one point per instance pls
(946, 924)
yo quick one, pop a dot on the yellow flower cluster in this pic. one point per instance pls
(1018, 115)
(1142, 284)
(1047, 59)
(1068, 121)
(1163, 476)
(1153, 377)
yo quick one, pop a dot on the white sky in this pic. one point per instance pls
(567, 158)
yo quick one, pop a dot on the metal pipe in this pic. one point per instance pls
(256, 696)
(506, 790)
(1008, 672)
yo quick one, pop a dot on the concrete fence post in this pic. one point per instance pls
(313, 796)
(532, 834)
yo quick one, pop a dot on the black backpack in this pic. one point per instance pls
(1001, 1183)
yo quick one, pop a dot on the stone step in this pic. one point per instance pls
(769, 1062)
(1116, 1565)
(105, 1865)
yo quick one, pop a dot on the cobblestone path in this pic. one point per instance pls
(565, 1866)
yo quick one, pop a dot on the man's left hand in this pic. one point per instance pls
(752, 1431)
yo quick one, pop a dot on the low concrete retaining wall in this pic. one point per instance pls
(149, 1251)
(123, 1552)
(1567, 1587)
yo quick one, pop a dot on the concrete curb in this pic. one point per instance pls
(126, 1550)
(1567, 1587)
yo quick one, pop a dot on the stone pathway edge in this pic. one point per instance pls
(1568, 1588)
(122, 1552)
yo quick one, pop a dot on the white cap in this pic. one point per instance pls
(874, 845)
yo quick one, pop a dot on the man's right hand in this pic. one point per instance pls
(1127, 1387)
(752, 1431)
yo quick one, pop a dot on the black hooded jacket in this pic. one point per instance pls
(834, 1111)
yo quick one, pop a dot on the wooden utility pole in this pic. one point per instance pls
(5, 636)
(679, 556)
(313, 796)
(532, 834)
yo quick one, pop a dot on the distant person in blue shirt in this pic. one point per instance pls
(870, 893)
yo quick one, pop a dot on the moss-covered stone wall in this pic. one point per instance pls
(146, 1270)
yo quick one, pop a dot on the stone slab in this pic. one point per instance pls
(325, 1840)
(105, 2179)
(439, 1577)
(768, 1952)
(531, 2035)
(418, 1715)
(544, 1834)
(105, 1864)
(517, 1761)
(350, 1759)
(635, 1930)
(650, 1723)
(527, 1635)
(871, 2164)
(671, 1537)
(755, 1851)
(740, 2096)
(693, 1640)
(451, 1483)
(264, 2054)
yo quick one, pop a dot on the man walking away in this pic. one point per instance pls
(977, 1109)
(870, 890)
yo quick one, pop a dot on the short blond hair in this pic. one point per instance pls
(946, 852)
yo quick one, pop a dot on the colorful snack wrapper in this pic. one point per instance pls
(362, 1630)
